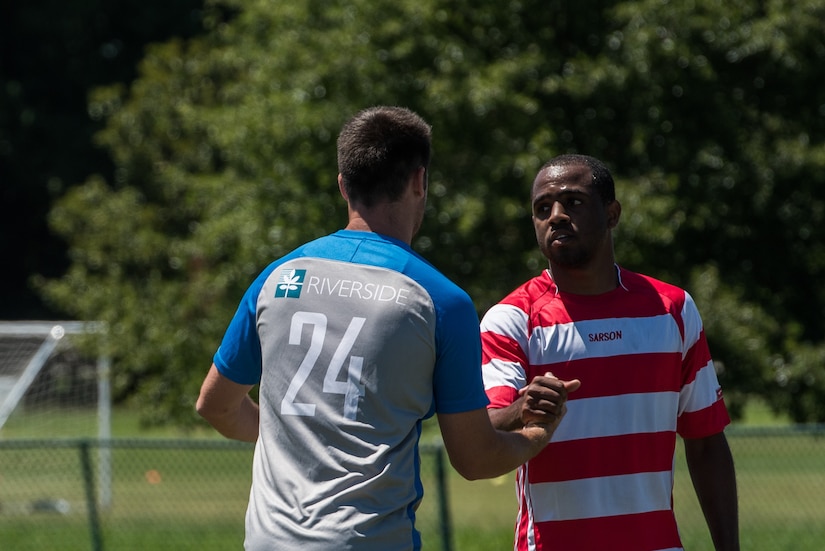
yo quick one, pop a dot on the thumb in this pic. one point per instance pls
(570, 386)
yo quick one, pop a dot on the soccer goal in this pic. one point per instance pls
(51, 387)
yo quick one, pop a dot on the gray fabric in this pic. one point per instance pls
(332, 461)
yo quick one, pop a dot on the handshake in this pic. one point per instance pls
(544, 401)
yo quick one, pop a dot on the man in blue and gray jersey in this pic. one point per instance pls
(354, 340)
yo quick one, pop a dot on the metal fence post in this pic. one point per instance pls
(104, 428)
(91, 498)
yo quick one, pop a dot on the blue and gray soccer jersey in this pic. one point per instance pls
(354, 339)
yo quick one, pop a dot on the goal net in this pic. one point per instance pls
(50, 388)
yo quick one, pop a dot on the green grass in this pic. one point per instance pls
(71, 423)
(200, 498)
(162, 497)
(758, 414)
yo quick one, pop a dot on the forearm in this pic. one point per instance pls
(507, 418)
(511, 450)
(477, 450)
(241, 423)
(714, 479)
(227, 407)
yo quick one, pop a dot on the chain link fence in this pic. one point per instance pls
(88, 494)
(149, 494)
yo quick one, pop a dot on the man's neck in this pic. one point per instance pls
(380, 219)
(591, 280)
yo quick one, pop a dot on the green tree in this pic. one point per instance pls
(225, 156)
(51, 54)
(724, 103)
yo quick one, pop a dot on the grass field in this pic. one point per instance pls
(179, 498)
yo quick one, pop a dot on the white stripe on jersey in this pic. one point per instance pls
(602, 496)
(701, 392)
(619, 336)
(505, 319)
(692, 322)
(501, 373)
(618, 415)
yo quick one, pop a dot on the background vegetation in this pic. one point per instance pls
(216, 153)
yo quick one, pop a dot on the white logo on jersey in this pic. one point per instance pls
(348, 288)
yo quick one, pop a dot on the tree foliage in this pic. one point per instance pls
(51, 53)
(708, 113)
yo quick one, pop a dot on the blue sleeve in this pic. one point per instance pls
(239, 356)
(457, 380)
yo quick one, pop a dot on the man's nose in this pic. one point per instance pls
(558, 214)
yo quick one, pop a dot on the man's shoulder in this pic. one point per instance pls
(380, 251)
(527, 297)
(532, 290)
(636, 282)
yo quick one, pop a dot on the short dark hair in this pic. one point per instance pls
(602, 179)
(378, 149)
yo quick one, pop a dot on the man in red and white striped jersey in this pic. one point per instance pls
(638, 347)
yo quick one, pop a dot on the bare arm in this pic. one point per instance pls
(711, 469)
(477, 450)
(508, 418)
(226, 405)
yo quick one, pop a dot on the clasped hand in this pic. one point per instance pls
(544, 400)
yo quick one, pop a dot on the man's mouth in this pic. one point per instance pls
(560, 237)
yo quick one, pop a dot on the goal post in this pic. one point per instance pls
(42, 370)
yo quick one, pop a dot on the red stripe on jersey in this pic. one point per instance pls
(641, 532)
(495, 346)
(616, 375)
(705, 422)
(522, 530)
(501, 396)
(638, 296)
(648, 297)
(605, 456)
(619, 304)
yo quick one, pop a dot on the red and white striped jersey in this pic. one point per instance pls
(605, 480)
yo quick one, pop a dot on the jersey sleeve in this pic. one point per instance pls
(702, 410)
(457, 379)
(504, 353)
(238, 357)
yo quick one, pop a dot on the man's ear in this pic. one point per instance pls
(341, 187)
(420, 181)
(614, 212)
